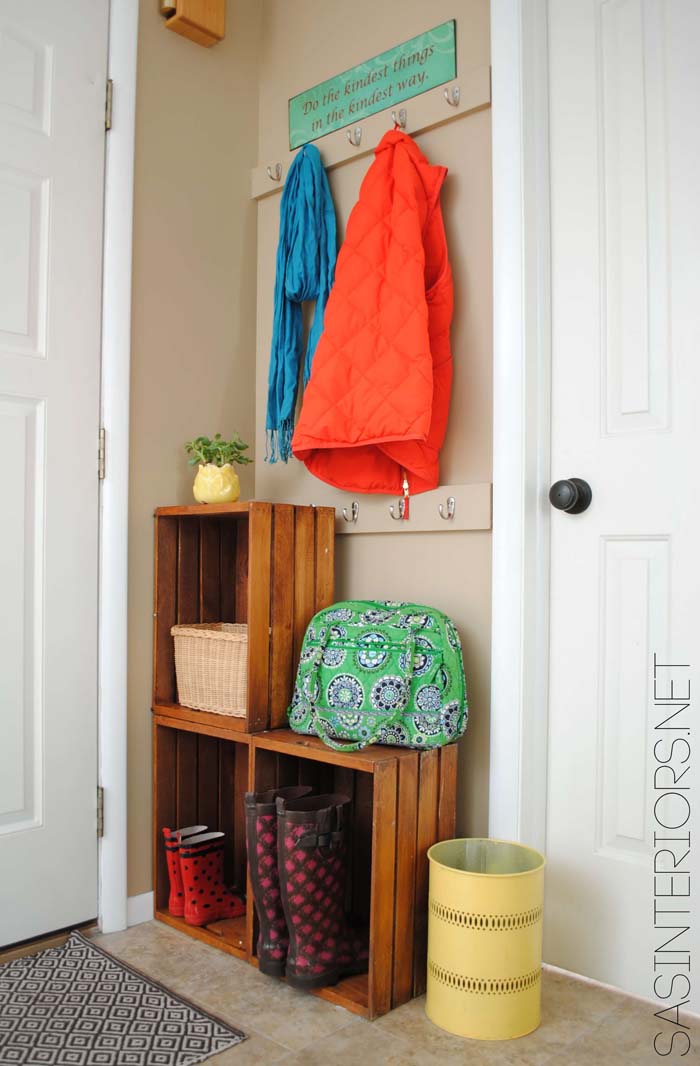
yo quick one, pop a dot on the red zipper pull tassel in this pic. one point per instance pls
(406, 497)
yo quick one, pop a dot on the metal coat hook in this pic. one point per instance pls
(354, 512)
(355, 136)
(402, 507)
(450, 509)
(276, 174)
(399, 118)
(452, 95)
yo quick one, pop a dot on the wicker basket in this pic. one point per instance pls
(211, 664)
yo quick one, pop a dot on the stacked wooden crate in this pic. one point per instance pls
(271, 566)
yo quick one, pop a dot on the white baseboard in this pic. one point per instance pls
(139, 908)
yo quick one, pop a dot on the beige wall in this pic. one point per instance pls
(304, 43)
(193, 333)
(198, 240)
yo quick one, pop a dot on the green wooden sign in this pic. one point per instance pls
(407, 70)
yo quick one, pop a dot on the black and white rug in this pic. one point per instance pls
(78, 1006)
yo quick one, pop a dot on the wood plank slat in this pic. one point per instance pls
(259, 559)
(282, 614)
(241, 573)
(164, 807)
(240, 787)
(209, 571)
(304, 574)
(208, 782)
(447, 798)
(362, 845)
(228, 532)
(325, 557)
(428, 779)
(186, 778)
(383, 899)
(202, 721)
(227, 806)
(187, 572)
(164, 610)
(406, 829)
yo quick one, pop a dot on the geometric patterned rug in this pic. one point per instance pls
(79, 1006)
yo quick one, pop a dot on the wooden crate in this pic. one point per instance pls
(269, 565)
(200, 773)
(403, 802)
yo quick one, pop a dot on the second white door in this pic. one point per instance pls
(625, 158)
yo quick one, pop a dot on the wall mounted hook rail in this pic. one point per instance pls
(399, 118)
(452, 95)
(450, 513)
(355, 136)
(354, 512)
(401, 508)
(275, 173)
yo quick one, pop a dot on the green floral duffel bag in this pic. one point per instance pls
(380, 673)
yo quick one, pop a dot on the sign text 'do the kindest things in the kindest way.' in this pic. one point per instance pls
(407, 70)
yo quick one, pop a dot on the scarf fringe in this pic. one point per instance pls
(278, 443)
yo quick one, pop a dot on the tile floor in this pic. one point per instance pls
(581, 1023)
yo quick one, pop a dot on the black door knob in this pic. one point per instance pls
(572, 495)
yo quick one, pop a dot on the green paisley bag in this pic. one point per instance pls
(380, 673)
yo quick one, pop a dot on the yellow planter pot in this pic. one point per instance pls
(485, 938)
(216, 484)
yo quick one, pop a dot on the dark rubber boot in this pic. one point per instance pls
(176, 902)
(261, 838)
(207, 899)
(312, 858)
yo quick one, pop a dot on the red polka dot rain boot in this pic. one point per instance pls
(176, 901)
(261, 837)
(312, 859)
(207, 899)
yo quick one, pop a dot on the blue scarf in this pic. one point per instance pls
(305, 265)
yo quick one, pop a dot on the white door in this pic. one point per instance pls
(625, 160)
(52, 100)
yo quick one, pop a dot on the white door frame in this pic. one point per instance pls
(521, 443)
(114, 496)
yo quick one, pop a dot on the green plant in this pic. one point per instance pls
(217, 451)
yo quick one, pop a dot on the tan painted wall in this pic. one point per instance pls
(193, 333)
(304, 43)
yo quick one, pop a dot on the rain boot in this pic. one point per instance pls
(207, 899)
(261, 837)
(312, 858)
(176, 900)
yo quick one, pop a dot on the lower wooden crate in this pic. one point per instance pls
(402, 802)
(200, 774)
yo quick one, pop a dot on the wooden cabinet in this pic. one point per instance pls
(268, 565)
(201, 21)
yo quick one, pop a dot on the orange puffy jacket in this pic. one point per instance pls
(375, 408)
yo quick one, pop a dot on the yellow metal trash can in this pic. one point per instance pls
(485, 938)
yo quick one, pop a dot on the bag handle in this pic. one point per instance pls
(322, 728)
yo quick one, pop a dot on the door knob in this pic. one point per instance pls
(572, 495)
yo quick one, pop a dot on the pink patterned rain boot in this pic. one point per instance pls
(261, 837)
(207, 899)
(176, 902)
(312, 859)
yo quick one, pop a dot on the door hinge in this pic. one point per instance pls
(108, 104)
(100, 812)
(101, 454)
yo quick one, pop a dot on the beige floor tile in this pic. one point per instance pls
(257, 1050)
(582, 1024)
(226, 986)
(627, 1036)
